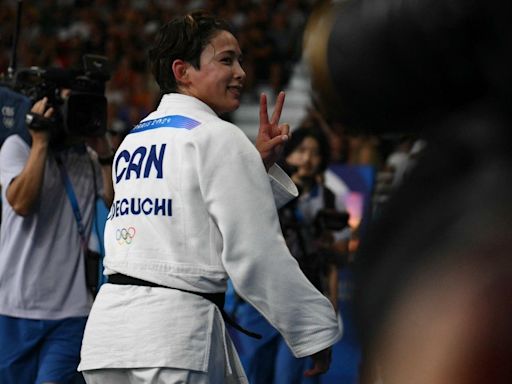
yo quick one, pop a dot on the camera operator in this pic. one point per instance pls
(44, 299)
(313, 226)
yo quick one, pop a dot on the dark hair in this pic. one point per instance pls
(299, 135)
(183, 38)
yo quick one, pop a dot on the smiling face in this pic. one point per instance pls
(218, 81)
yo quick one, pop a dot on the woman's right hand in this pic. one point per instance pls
(321, 361)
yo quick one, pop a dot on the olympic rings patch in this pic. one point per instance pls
(125, 236)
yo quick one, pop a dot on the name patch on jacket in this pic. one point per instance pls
(140, 206)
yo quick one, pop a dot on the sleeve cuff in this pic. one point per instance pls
(282, 186)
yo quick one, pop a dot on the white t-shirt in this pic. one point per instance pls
(41, 264)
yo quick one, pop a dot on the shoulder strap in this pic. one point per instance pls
(72, 199)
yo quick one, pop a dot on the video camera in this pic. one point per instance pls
(77, 97)
(330, 220)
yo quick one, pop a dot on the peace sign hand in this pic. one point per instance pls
(271, 134)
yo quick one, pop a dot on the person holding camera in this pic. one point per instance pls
(316, 232)
(193, 207)
(44, 300)
(315, 225)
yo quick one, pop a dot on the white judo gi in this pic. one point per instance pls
(193, 207)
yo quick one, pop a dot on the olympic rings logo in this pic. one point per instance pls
(125, 236)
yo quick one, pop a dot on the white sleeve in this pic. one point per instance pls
(283, 187)
(13, 157)
(239, 199)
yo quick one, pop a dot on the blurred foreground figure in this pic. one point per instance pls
(434, 288)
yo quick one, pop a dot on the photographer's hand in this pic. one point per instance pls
(41, 109)
(24, 189)
(101, 145)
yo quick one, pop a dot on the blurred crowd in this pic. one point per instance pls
(57, 33)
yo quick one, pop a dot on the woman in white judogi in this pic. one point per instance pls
(193, 207)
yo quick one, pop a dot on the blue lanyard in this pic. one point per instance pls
(72, 199)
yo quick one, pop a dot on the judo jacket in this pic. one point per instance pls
(193, 207)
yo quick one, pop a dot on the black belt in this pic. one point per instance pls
(216, 298)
